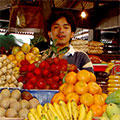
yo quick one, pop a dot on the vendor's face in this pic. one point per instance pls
(61, 30)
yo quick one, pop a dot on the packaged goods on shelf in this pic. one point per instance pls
(102, 80)
(80, 45)
(111, 48)
(114, 78)
(95, 47)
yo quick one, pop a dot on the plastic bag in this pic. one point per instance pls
(20, 21)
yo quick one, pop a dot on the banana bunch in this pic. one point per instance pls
(60, 111)
(109, 67)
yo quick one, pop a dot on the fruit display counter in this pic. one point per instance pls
(44, 88)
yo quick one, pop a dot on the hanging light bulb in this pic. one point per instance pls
(83, 14)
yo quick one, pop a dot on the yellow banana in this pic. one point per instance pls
(35, 113)
(57, 108)
(39, 109)
(74, 109)
(45, 114)
(43, 117)
(50, 114)
(69, 106)
(45, 107)
(30, 116)
(54, 111)
(64, 110)
(89, 115)
(110, 66)
(82, 112)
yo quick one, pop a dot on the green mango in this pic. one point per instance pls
(104, 116)
(115, 117)
(113, 97)
(118, 105)
(112, 109)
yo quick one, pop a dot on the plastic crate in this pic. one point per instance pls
(44, 96)
(99, 67)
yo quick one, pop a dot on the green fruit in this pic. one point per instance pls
(104, 115)
(115, 117)
(112, 109)
(104, 118)
(113, 97)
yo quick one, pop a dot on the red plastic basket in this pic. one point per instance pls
(99, 67)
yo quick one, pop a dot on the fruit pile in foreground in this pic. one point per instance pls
(112, 111)
(82, 88)
(47, 74)
(9, 73)
(25, 52)
(16, 104)
(60, 111)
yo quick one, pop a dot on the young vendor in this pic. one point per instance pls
(61, 27)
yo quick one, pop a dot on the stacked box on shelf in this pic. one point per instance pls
(113, 83)
(111, 48)
(102, 80)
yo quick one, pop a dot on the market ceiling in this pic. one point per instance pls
(97, 9)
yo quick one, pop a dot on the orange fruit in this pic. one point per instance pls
(100, 90)
(20, 56)
(11, 57)
(93, 87)
(57, 97)
(14, 61)
(72, 96)
(25, 48)
(62, 86)
(81, 87)
(99, 100)
(71, 78)
(87, 99)
(104, 107)
(104, 96)
(92, 77)
(83, 75)
(68, 88)
(97, 110)
(30, 57)
(35, 51)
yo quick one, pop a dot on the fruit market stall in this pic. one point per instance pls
(50, 88)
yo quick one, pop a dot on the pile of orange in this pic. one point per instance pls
(82, 88)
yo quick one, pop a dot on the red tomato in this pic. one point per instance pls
(41, 84)
(33, 80)
(55, 85)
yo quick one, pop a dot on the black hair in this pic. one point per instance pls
(58, 14)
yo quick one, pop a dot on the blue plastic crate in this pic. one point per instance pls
(44, 96)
